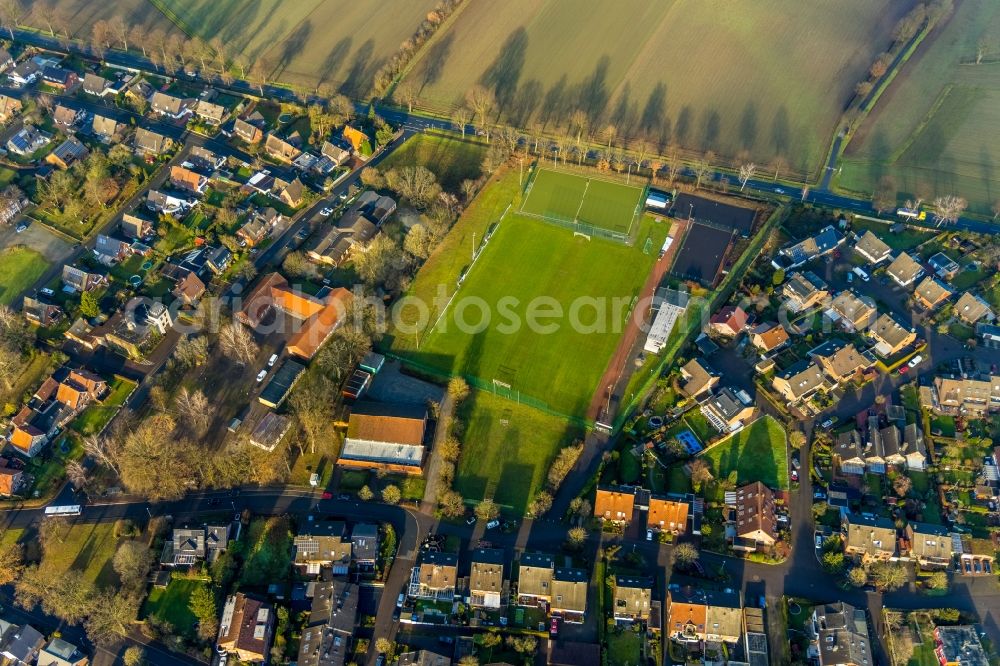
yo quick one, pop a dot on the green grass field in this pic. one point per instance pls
(170, 603)
(545, 268)
(507, 462)
(703, 73)
(570, 198)
(452, 160)
(756, 453)
(19, 268)
(86, 547)
(934, 129)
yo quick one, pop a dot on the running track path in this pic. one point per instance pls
(613, 373)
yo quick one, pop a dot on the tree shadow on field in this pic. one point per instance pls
(361, 65)
(334, 59)
(294, 45)
(654, 114)
(748, 126)
(555, 101)
(525, 102)
(593, 92)
(781, 131)
(437, 55)
(505, 72)
(879, 152)
(626, 113)
(682, 130)
(710, 124)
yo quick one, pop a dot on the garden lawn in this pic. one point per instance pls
(756, 453)
(557, 359)
(507, 462)
(96, 416)
(624, 648)
(86, 547)
(19, 268)
(170, 603)
(451, 159)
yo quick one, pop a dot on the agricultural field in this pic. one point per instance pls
(451, 160)
(507, 449)
(666, 72)
(545, 268)
(19, 268)
(934, 129)
(570, 198)
(82, 14)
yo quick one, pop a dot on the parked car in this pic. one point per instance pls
(795, 475)
(446, 640)
(21, 227)
(326, 212)
(493, 524)
(554, 626)
(915, 361)
(828, 423)
(649, 535)
(819, 540)
(904, 369)
(326, 495)
(271, 361)
(400, 599)
(819, 494)
(261, 375)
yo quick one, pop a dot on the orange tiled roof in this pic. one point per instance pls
(614, 504)
(663, 513)
(318, 328)
(294, 303)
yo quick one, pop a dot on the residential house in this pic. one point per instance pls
(292, 193)
(768, 336)
(339, 242)
(848, 453)
(24, 73)
(931, 292)
(666, 515)
(326, 638)
(281, 149)
(971, 308)
(248, 132)
(324, 544)
(360, 143)
(799, 382)
(728, 411)
(904, 270)
(959, 646)
(486, 578)
(891, 336)
(435, 577)
(929, 545)
(839, 636)
(875, 462)
(204, 159)
(729, 321)
(151, 144)
(135, 227)
(969, 396)
(218, 259)
(892, 445)
(755, 521)
(189, 289)
(11, 205)
(27, 141)
(6, 60)
(943, 266)
(869, 539)
(385, 436)
(211, 113)
(873, 248)
(724, 620)
(105, 128)
(696, 617)
(697, 378)
(254, 231)
(12, 479)
(10, 107)
(67, 153)
(59, 78)
(335, 153)
(364, 545)
(826, 241)
(246, 628)
(534, 579)
(110, 251)
(39, 312)
(168, 203)
(569, 594)
(94, 84)
(851, 311)
(269, 431)
(841, 363)
(65, 117)
(422, 658)
(20, 645)
(632, 598)
(615, 504)
(186, 547)
(188, 180)
(914, 449)
(61, 653)
(165, 104)
(77, 279)
(804, 290)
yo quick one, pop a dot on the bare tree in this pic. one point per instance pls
(983, 47)
(880, 66)
(104, 450)
(461, 118)
(259, 72)
(194, 409)
(747, 171)
(884, 197)
(578, 123)
(609, 132)
(11, 12)
(237, 343)
(120, 29)
(779, 163)
(137, 35)
(406, 93)
(702, 167)
(481, 101)
(948, 208)
(76, 474)
(100, 37)
(996, 210)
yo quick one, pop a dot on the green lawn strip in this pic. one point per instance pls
(450, 158)
(624, 647)
(86, 547)
(900, 241)
(267, 551)
(507, 462)
(19, 268)
(756, 453)
(544, 266)
(170, 603)
(96, 416)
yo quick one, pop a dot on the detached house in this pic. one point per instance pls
(359, 141)
(486, 578)
(872, 248)
(105, 128)
(904, 270)
(65, 117)
(799, 382)
(60, 78)
(931, 293)
(281, 149)
(890, 335)
(12, 479)
(211, 113)
(823, 243)
(697, 378)
(971, 308)
(839, 634)
(851, 311)
(151, 144)
(869, 539)
(729, 321)
(9, 107)
(841, 363)
(768, 336)
(755, 522)
(943, 266)
(77, 279)
(94, 84)
(39, 312)
(110, 251)
(67, 153)
(135, 227)
(27, 141)
(188, 180)
(248, 132)
(334, 153)
(728, 411)
(804, 290)
(435, 577)
(168, 105)
(246, 629)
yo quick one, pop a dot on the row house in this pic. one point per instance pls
(929, 545)
(56, 402)
(754, 519)
(487, 584)
(323, 545)
(869, 539)
(435, 577)
(696, 617)
(968, 396)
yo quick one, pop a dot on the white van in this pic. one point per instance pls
(861, 273)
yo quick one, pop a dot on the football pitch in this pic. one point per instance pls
(528, 269)
(570, 198)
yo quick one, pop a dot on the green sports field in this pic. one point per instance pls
(571, 198)
(528, 268)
